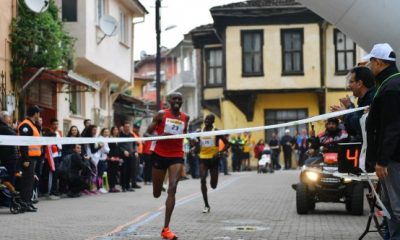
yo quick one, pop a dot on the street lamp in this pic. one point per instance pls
(158, 55)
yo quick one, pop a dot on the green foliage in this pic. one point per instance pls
(38, 40)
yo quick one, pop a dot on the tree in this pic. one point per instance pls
(39, 40)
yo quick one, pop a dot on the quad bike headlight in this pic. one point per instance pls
(312, 176)
(347, 180)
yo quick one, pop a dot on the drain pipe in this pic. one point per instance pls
(38, 72)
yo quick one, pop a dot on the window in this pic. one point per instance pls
(75, 101)
(69, 10)
(100, 9)
(345, 53)
(123, 28)
(292, 51)
(214, 66)
(283, 116)
(252, 55)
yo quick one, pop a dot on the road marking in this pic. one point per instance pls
(147, 217)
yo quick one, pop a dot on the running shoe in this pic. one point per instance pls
(167, 234)
(206, 210)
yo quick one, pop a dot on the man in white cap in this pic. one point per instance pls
(383, 130)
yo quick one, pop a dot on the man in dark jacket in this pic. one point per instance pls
(74, 178)
(126, 150)
(383, 130)
(287, 143)
(9, 154)
(362, 84)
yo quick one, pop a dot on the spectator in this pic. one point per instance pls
(276, 150)
(102, 165)
(224, 155)
(49, 169)
(237, 152)
(362, 84)
(29, 156)
(9, 154)
(126, 151)
(247, 146)
(73, 132)
(147, 162)
(92, 151)
(302, 146)
(75, 180)
(138, 161)
(57, 185)
(259, 148)
(383, 131)
(114, 161)
(287, 147)
(193, 157)
(86, 124)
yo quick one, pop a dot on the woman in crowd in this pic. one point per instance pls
(92, 151)
(259, 148)
(114, 161)
(102, 165)
(67, 148)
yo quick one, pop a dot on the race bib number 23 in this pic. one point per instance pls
(174, 126)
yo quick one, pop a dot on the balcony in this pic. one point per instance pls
(182, 81)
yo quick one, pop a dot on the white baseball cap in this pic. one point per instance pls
(380, 51)
(287, 131)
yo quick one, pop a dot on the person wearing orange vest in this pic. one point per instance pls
(29, 156)
(210, 155)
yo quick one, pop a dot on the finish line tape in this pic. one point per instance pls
(25, 140)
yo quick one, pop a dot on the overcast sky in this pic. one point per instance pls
(185, 14)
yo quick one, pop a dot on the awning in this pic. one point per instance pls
(57, 76)
(128, 105)
(366, 22)
(83, 80)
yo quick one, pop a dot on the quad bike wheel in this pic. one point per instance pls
(302, 203)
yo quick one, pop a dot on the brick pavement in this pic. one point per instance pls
(263, 201)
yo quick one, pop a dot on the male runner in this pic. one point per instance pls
(168, 154)
(209, 158)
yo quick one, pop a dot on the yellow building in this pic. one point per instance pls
(267, 62)
(8, 12)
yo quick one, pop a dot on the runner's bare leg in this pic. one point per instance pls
(203, 181)
(174, 172)
(158, 176)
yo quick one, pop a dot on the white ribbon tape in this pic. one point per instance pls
(25, 140)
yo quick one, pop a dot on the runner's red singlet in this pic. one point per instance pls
(171, 126)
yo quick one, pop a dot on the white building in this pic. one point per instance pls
(186, 80)
(106, 62)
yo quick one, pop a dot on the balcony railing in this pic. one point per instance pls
(183, 79)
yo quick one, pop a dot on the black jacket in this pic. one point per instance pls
(352, 120)
(9, 154)
(126, 146)
(383, 123)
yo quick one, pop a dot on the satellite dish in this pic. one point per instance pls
(37, 6)
(108, 25)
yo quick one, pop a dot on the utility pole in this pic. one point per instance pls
(158, 56)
